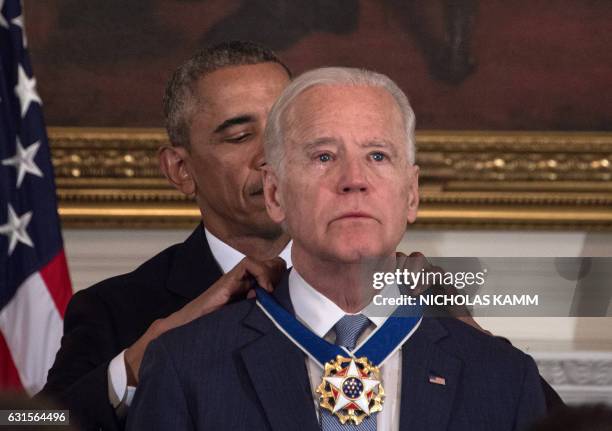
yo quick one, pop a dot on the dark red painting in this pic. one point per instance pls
(465, 64)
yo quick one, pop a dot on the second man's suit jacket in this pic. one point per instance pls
(234, 370)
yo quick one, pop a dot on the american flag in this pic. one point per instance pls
(437, 380)
(34, 283)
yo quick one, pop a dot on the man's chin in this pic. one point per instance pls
(263, 227)
(351, 254)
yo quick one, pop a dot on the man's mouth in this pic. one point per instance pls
(353, 215)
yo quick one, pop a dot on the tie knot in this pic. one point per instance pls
(349, 328)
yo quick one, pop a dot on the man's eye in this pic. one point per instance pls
(238, 138)
(325, 157)
(378, 157)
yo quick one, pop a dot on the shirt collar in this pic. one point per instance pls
(319, 313)
(228, 257)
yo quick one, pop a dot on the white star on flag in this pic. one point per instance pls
(18, 21)
(26, 91)
(15, 229)
(3, 22)
(23, 160)
(342, 400)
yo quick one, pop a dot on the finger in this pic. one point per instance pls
(260, 272)
(414, 262)
(241, 278)
(229, 287)
(267, 273)
(277, 268)
(278, 262)
(400, 260)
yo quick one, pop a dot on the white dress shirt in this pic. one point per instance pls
(320, 315)
(119, 393)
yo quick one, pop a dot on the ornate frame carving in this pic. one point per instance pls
(472, 180)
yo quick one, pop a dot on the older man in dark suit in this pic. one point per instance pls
(341, 180)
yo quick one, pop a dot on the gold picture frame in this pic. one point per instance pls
(469, 180)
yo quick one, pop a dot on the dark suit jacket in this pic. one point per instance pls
(106, 318)
(234, 370)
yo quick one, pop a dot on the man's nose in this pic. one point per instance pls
(258, 160)
(352, 177)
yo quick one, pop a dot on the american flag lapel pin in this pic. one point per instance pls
(437, 380)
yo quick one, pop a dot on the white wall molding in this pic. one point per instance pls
(580, 376)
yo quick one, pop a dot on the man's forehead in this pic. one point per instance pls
(239, 91)
(232, 80)
(329, 93)
(322, 109)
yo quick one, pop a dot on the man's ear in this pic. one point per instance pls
(413, 194)
(274, 204)
(173, 163)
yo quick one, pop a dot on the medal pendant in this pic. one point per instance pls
(351, 389)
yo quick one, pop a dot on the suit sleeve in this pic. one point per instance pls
(553, 400)
(160, 402)
(78, 379)
(532, 404)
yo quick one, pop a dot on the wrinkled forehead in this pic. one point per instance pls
(330, 109)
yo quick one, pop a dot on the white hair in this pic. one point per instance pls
(331, 76)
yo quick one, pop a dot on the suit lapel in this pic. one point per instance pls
(277, 370)
(194, 268)
(426, 405)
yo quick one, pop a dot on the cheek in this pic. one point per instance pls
(303, 206)
(395, 201)
(218, 170)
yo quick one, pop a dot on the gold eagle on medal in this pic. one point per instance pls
(351, 389)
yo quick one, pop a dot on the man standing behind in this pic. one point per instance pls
(342, 182)
(216, 106)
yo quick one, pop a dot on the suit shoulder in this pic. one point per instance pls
(210, 337)
(222, 325)
(473, 345)
(117, 295)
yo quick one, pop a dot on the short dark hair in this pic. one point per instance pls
(180, 96)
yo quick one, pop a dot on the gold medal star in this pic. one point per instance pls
(351, 389)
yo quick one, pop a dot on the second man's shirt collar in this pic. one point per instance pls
(228, 257)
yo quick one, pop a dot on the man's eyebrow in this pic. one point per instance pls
(311, 145)
(234, 121)
(379, 143)
(376, 143)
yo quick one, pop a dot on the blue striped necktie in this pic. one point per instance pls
(348, 329)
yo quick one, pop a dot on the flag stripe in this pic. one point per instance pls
(32, 328)
(56, 277)
(9, 377)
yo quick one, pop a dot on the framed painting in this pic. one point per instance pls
(514, 118)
